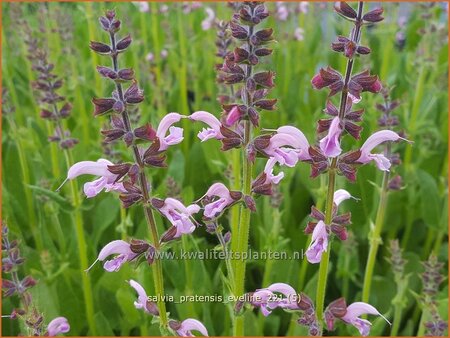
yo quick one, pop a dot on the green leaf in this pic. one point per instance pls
(53, 195)
(429, 199)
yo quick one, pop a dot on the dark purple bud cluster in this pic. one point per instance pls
(338, 224)
(54, 106)
(335, 310)
(143, 250)
(391, 122)
(238, 66)
(16, 286)
(348, 121)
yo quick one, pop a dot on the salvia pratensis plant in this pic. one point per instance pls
(14, 285)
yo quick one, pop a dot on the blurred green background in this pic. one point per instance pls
(409, 53)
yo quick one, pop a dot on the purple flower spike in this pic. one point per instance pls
(123, 253)
(57, 326)
(357, 309)
(107, 181)
(213, 122)
(188, 325)
(319, 243)
(175, 133)
(374, 140)
(179, 215)
(330, 144)
(216, 207)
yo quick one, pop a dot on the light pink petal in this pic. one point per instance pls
(175, 137)
(283, 288)
(301, 142)
(376, 139)
(166, 122)
(190, 324)
(233, 116)
(319, 243)
(381, 161)
(359, 308)
(57, 326)
(193, 209)
(219, 190)
(92, 189)
(330, 144)
(114, 248)
(99, 168)
(142, 295)
(340, 196)
(268, 170)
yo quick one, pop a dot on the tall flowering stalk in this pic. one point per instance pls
(344, 119)
(119, 103)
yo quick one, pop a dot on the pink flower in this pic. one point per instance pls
(357, 309)
(213, 122)
(268, 170)
(185, 328)
(303, 7)
(179, 215)
(215, 208)
(123, 253)
(374, 140)
(319, 243)
(57, 326)
(330, 144)
(209, 20)
(268, 299)
(288, 146)
(142, 301)
(175, 134)
(107, 181)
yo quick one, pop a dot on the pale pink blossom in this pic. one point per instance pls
(186, 327)
(57, 326)
(215, 208)
(319, 243)
(122, 252)
(107, 180)
(357, 309)
(213, 122)
(175, 135)
(330, 144)
(299, 34)
(381, 161)
(268, 170)
(179, 215)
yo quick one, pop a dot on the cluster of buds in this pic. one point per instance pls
(7, 108)
(390, 122)
(33, 320)
(55, 108)
(223, 43)
(238, 65)
(396, 259)
(431, 280)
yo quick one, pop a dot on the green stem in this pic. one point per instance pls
(323, 269)
(421, 328)
(82, 249)
(26, 177)
(397, 320)
(243, 233)
(236, 158)
(375, 239)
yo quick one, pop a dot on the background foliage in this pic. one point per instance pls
(185, 82)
